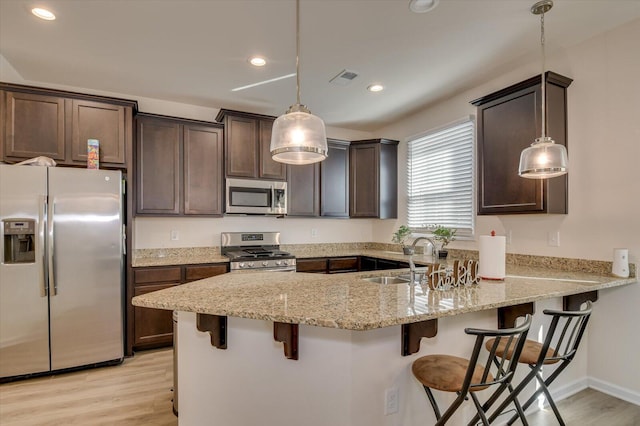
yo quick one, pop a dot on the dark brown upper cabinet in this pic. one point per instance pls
(509, 120)
(373, 178)
(321, 189)
(178, 167)
(247, 146)
(303, 188)
(334, 180)
(56, 124)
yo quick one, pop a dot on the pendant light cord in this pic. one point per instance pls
(298, 51)
(544, 83)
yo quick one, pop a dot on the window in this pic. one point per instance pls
(440, 178)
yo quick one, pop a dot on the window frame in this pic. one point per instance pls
(463, 233)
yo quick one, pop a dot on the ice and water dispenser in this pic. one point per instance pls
(19, 240)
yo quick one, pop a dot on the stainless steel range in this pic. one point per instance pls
(258, 251)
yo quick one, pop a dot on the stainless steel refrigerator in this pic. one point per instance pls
(61, 268)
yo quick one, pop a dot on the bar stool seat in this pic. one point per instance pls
(466, 376)
(446, 373)
(530, 352)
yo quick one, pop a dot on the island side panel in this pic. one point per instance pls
(340, 378)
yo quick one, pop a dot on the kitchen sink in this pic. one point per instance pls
(388, 280)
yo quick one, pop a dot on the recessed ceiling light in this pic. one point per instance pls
(422, 6)
(43, 14)
(257, 61)
(375, 88)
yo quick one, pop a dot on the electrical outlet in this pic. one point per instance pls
(553, 239)
(391, 401)
(175, 236)
(314, 232)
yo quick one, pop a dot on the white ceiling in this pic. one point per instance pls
(195, 51)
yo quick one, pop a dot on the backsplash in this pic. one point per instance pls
(210, 254)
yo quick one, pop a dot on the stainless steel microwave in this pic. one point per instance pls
(250, 196)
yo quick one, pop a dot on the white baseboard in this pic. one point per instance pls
(569, 389)
(614, 390)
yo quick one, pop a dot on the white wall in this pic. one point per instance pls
(205, 232)
(604, 183)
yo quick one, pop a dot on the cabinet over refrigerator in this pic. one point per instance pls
(61, 269)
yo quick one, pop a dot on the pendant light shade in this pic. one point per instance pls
(544, 158)
(298, 137)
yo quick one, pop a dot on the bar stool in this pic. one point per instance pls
(564, 334)
(465, 376)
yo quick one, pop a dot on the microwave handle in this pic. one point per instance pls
(273, 198)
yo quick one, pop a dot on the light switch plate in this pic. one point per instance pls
(553, 239)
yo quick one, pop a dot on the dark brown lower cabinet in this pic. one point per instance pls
(328, 265)
(337, 265)
(153, 328)
(375, 264)
(316, 265)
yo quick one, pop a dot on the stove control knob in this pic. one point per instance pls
(285, 262)
(278, 262)
(265, 263)
(250, 265)
(241, 265)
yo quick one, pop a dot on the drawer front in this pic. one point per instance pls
(193, 273)
(157, 275)
(311, 265)
(343, 264)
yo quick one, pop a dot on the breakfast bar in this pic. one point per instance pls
(296, 348)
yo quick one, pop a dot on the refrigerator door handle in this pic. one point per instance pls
(41, 230)
(53, 288)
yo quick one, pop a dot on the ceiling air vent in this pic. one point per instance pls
(344, 78)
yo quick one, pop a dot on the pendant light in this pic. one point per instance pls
(298, 137)
(544, 158)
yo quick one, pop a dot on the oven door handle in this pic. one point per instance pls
(277, 269)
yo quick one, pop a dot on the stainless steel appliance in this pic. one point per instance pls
(257, 251)
(61, 269)
(249, 196)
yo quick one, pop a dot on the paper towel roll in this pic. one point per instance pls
(492, 257)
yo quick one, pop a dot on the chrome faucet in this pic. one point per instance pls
(412, 266)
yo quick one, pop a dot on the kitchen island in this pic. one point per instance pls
(349, 344)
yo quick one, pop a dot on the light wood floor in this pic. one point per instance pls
(138, 392)
(590, 408)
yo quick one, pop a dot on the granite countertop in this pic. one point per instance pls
(346, 301)
(177, 256)
(200, 255)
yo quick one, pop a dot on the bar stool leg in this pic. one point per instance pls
(452, 409)
(544, 388)
(479, 409)
(433, 402)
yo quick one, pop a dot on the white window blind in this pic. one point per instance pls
(440, 178)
